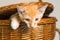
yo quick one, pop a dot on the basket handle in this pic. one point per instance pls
(40, 1)
(58, 30)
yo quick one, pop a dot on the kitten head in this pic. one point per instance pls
(31, 14)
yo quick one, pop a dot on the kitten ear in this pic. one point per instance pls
(20, 9)
(42, 10)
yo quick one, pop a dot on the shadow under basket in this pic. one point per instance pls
(46, 31)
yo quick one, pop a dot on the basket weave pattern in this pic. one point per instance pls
(44, 32)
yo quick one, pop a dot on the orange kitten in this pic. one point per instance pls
(30, 14)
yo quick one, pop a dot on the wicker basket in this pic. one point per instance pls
(46, 31)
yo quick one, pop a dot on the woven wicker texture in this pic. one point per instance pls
(46, 31)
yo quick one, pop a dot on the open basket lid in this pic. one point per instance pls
(7, 11)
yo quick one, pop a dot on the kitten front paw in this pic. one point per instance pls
(14, 25)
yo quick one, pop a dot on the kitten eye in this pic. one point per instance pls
(36, 19)
(22, 12)
(27, 19)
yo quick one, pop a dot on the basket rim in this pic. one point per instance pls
(48, 20)
(43, 21)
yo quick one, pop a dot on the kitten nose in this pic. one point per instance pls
(32, 25)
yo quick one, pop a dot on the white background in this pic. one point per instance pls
(55, 13)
